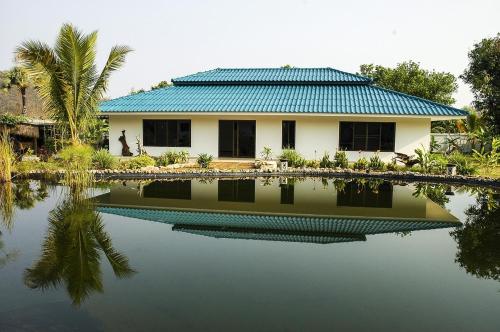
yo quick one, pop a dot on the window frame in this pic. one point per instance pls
(288, 146)
(165, 140)
(368, 128)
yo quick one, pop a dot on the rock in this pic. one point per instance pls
(30, 158)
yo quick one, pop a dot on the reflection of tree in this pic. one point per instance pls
(72, 249)
(24, 195)
(435, 192)
(6, 256)
(479, 239)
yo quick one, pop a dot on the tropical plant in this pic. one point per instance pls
(139, 162)
(489, 159)
(6, 157)
(340, 159)
(204, 160)
(172, 157)
(360, 164)
(313, 163)
(66, 76)
(77, 157)
(325, 161)
(462, 163)
(72, 252)
(375, 162)
(17, 78)
(102, 159)
(266, 153)
(426, 160)
(293, 157)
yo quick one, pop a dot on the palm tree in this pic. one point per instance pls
(72, 249)
(17, 77)
(66, 76)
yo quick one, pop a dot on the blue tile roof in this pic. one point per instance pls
(293, 91)
(272, 76)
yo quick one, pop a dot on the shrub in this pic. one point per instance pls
(77, 157)
(139, 162)
(490, 159)
(204, 160)
(340, 159)
(173, 157)
(313, 163)
(102, 159)
(376, 163)
(325, 161)
(462, 163)
(6, 157)
(293, 157)
(266, 153)
(361, 164)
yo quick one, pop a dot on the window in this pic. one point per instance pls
(288, 135)
(236, 191)
(177, 189)
(357, 195)
(367, 136)
(167, 133)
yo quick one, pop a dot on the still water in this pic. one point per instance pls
(249, 255)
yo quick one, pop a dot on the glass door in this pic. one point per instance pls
(237, 139)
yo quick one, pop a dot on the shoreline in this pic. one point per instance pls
(103, 175)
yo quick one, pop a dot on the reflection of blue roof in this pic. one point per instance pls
(291, 223)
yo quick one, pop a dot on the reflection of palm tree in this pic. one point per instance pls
(479, 240)
(434, 192)
(71, 252)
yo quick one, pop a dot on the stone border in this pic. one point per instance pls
(307, 172)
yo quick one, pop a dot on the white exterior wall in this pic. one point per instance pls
(314, 134)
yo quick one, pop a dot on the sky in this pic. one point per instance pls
(177, 38)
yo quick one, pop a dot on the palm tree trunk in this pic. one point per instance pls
(23, 100)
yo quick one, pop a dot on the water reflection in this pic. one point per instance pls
(479, 240)
(283, 209)
(72, 249)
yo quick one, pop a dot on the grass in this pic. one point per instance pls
(493, 172)
(6, 158)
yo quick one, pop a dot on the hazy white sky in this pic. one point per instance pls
(175, 38)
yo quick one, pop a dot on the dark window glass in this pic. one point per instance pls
(357, 195)
(237, 139)
(288, 135)
(367, 136)
(178, 189)
(287, 193)
(236, 191)
(167, 133)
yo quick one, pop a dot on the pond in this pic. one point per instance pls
(266, 254)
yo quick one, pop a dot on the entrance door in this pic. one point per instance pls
(237, 139)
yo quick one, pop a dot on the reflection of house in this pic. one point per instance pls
(235, 113)
(247, 210)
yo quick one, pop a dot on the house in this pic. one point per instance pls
(235, 113)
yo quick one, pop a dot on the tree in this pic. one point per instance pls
(66, 76)
(162, 84)
(18, 78)
(408, 77)
(483, 75)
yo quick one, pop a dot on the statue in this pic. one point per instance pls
(140, 148)
(125, 148)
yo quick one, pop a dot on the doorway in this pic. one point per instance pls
(237, 138)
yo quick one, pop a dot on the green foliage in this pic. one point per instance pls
(490, 159)
(102, 159)
(294, 158)
(139, 162)
(172, 157)
(436, 193)
(6, 157)
(266, 153)
(434, 146)
(325, 161)
(66, 76)
(340, 159)
(408, 77)
(25, 167)
(11, 120)
(462, 163)
(376, 163)
(483, 75)
(360, 164)
(204, 160)
(18, 78)
(77, 157)
(313, 163)
(161, 85)
(426, 160)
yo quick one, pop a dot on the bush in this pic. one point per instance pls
(24, 167)
(293, 157)
(204, 160)
(464, 166)
(139, 162)
(102, 159)
(376, 163)
(266, 153)
(340, 159)
(173, 157)
(313, 163)
(77, 157)
(325, 161)
(361, 164)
